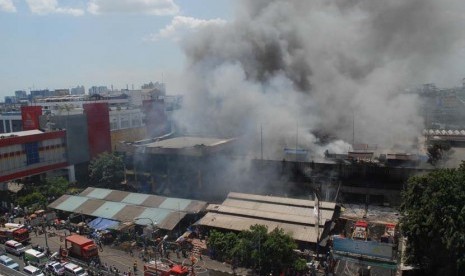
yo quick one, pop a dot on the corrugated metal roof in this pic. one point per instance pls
(134, 198)
(89, 206)
(164, 218)
(117, 196)
(305, 212)
(296, 216)
(124, 212)
(153, 201)
(128, 213)
(108, 209)
(175, 204)
(282, 200)
(98, 193)
(307, 219)
(147, 200)
(58, 201)
(72, 203)
(236, 223)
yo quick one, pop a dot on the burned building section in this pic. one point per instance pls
(181, 166)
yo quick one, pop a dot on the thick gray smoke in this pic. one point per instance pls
(298, 67)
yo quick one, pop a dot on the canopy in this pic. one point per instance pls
(102, 223)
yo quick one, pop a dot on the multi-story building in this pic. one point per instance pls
(11, 100)
(98, 90)
(78, 90)
(40, 93)
(10, 122)
(21, 95)
(31, 152)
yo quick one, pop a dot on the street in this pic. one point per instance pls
(111, 256)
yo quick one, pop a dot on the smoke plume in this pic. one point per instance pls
(284, 70)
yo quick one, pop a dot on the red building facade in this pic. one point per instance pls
(31, 152)
(98, 128)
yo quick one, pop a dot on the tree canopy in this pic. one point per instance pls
(107, 170)
(433, 221)
(56, 186)
(265, 252)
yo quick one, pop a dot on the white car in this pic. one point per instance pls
(74, 270)
(32, 270)
(55, 268)
(8, 262)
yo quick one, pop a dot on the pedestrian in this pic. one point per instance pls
(135, 266)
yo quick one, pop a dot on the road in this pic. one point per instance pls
(123, 261)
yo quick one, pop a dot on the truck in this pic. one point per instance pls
(14, 231)
(80, 247)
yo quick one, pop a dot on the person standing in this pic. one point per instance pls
(135, 266)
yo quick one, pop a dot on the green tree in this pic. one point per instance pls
(221, 244)
(300, 265)
(433, 221)
(56, 186)
(34, 198)
(107, 170)
(279, 251)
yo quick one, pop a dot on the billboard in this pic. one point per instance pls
(30, 117)
(368, 249)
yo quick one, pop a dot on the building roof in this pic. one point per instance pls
(295, 216)
(238, 223)
(23, 133)
(146, 200)
(125, 206)
(192, 146)
(187, 142)
(281, 200)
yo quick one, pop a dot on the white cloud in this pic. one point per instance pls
(181, 25)
(7, 6)
(44, 7)
(153, 7)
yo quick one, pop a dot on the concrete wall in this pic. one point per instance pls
(128, 134)
(76, 134)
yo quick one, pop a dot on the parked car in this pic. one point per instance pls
(8, 262)
(32, 270)
(55, 268)
(74, 270)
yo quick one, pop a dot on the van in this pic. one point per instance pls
(32, 270)
(74, 270)
(35, 257)
(14, 247)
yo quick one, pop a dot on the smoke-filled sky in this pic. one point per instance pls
(290, 68)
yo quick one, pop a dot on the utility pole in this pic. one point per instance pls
(261, 142)
(353, 128)
(296, 140)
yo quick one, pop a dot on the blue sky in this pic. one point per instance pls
(62, 43)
